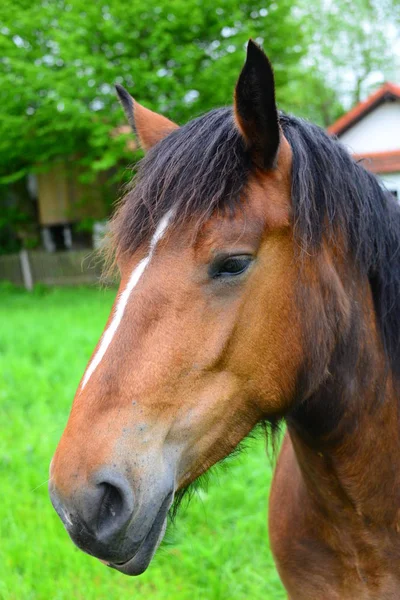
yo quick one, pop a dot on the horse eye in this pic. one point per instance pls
(230, 266)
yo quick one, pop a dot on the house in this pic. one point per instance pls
(64, 203)
(72, 214)
(58, 207)
(371, 131)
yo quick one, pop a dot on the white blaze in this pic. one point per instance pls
(124, 297)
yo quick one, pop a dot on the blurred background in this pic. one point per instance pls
(65, 154)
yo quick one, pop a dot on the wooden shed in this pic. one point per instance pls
(64, 201)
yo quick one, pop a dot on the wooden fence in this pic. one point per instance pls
(55, 268)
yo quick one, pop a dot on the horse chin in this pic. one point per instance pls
(139, 562)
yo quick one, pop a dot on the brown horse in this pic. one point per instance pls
(260, 281)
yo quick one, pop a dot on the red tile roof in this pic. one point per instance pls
(385, 92)
(380, 162)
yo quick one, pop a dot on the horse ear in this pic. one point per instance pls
(255, 108)
(148, 126)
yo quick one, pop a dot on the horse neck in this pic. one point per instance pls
(346, 434)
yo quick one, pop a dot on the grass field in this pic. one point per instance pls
(217, 549)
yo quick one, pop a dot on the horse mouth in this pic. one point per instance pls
(139, 562)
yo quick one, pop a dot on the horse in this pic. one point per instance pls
(260, 283)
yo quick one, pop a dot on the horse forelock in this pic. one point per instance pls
(204, 166)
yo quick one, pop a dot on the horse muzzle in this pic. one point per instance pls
(104, 520)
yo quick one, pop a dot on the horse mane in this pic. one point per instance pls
(335, 196)
(204, 166)
(201, 167)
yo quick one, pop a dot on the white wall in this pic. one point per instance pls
(391, 182)
(376, 132)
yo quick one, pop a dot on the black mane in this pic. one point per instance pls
(333, 194)
(204, 166)
(197, 168)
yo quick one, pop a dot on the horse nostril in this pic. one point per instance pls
(111, 506)
(97, 516)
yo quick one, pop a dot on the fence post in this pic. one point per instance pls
(26, 270)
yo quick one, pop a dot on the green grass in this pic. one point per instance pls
(218, 548)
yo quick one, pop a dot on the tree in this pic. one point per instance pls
(62, 57)
(355, 45)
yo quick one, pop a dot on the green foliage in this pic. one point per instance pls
(60, 59)
(218, 548)
(17, 218)
(354, 46)
(10, 219)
